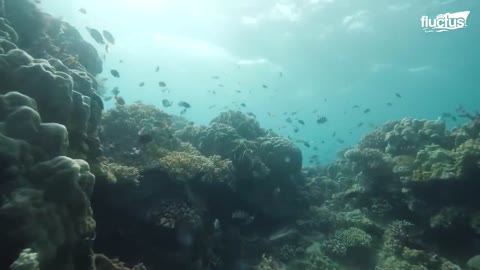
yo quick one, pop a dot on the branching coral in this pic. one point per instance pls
(124, 174)
(185, 166)
(345, 240)
(171, 214)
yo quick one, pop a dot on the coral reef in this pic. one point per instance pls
(184, 166)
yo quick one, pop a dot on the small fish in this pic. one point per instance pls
(141, 84)
(215, 77)
(106, 48)
(252, 114)
(115, 73)
(238, 91)
(119, 100)
(322, 120)
(398, 95)
(315, 148)
(301, 122)
(162, 84)
(108, 37)
(211, 107)
(289, 120)
(355, 106)
(340, 140)
(243, 216)
(334, 134)
(264, 86)
(367, 110)
(166, 103)
(220, 85)
(183, 111)
(322, 141)
(115, 91)
(38, 1)
(243, 104)
(184, 104)
(314, 111)
(216, 224)
(293, 113)
(280, 74)
(157, 68)
(306, 144)
(360, 124)
(295, 129)
(95, 34)
(389, 104)
(82, 10)
(108, 98)
(120, 61)
(325, 100)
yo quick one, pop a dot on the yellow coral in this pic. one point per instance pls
(185, 165)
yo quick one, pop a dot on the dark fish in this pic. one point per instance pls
(108, 37)
(243, 104)
(82, 10)
(315, 148)
(295, 129)
(355, 106)
(215, 77)
(162, 84)
(340, 140)
(166, 103)
(306, 144)
(142, 84)
(95, 34)
(252, 114)
(183, 111)
(264, 86)
(157, 68)
(334, 134)
(38, 1)
(115, 73)
(301, 122)
(454, 118)
(293, 113)
(213, 106)
(115, 91)
(446, 115)
(184, 104)
(145, 138)
(322, 120)
(119, 100)
(360, 124)
(389, 104)
(322, 141)
(121, 61)
(289, 120)
(366, 110)
(325, 100)
(398, 95)
(280, 74)
(314, 111)
(220, 85)
(107, 98)
(238, 91)
(106, 48)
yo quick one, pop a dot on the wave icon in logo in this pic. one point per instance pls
(445, 22)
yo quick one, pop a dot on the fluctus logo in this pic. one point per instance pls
(445, 22)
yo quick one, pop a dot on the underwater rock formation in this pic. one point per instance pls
(54, 90)
(45, 207)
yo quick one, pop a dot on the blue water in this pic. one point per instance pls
(333, 54)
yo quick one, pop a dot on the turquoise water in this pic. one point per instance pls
(333, 54)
